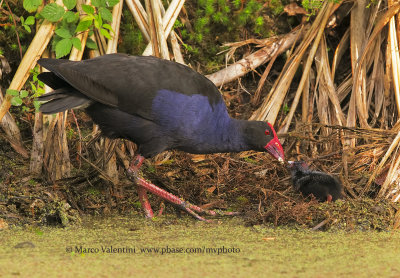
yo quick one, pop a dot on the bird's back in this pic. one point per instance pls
(131, 83)
(144, 99)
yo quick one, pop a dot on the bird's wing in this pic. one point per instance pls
(302, 182)
(130, 83)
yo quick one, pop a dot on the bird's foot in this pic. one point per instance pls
(144, 200)
(144, 186)
(162, 207)
(193, 210)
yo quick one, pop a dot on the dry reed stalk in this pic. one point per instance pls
(110, 165)
(396, 224)
(305, 101)
(140, 16)
(359, 65)
(357, 46)
(32, 54)
(360, 60)
(339, 52)
(36, 160)
(152, 29)
(176, 49)
(272, 104)
(263, 78)
(377, 87)
(115, 23)
(394, 51)
(344, 89)
(161, 43)
(94, 52)
(12, 132)
(275, 46)
(60, 151)
(100, 41)
(325, 14)
(392, 178)
(329, 86)
(168, 20)
(76, 54)
(39, 134)
(395, 143)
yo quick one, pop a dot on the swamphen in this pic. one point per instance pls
(323, 186)
(159, 105)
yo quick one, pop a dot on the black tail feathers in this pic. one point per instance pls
(61, 100)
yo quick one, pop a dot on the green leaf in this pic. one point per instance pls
(99, 3)
(107, 26)
(27, 28)
(91, 44)
(22, 20)
(31, 5)
(63, 48)
(63, 33)
(40, 90)
(83, 26)
(69, 4)
(111, 3)
(76, 43)
(12, 92)
(70, 17)
(23, 93)
(16, 101)
(88, 17)
(30, 20)
(33, 86)
(105, 33)
(88, 9)
(98, 21)
(105, 14)
(52, 12)
(37, 105)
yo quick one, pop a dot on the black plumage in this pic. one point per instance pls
(322, 186)
(159, 105)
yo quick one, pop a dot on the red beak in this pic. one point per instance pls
(274, 147)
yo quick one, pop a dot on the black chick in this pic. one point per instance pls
(321, 185)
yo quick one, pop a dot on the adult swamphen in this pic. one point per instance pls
(323, 186)
(157, 104)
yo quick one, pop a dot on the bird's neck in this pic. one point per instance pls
(227, 136)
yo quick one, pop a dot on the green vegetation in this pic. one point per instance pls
(69, 23)
(132, 40)
(243, 251)
(23, 98)
(206, 25)
(211, 23)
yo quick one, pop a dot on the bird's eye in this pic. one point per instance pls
(267, 132)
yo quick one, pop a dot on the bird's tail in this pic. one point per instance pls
(64, 96)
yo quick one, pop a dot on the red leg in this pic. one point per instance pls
(145, 202)
(133, 174)
(144, 186)
(169, 197)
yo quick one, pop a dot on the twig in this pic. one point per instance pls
(79, 134)
(102, 173)
(16, 31)
(320, 225)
